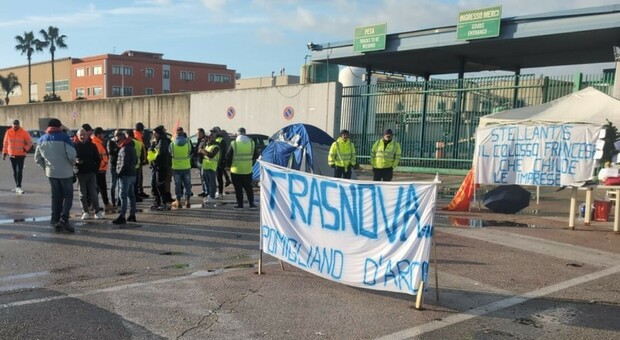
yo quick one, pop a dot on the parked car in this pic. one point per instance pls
(35, 135)
(260, 141)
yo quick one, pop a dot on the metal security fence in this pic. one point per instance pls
(435, 121)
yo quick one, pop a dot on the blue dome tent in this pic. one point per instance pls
(301, 147)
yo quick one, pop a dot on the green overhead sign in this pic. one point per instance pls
(370, 38)
(479, 23)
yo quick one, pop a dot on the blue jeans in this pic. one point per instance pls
(209, 182)
(62, 198)
(182, 179)
(127, 186)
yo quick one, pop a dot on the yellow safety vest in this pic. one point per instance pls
(242, 158)
(382, 157)
(211, 163)
(181, 157)
(341, 153)
(151, 155)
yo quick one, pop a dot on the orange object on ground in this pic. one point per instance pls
(602, 210)
(463, 196)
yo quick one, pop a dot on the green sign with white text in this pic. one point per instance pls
(479, 23)
(370, 38)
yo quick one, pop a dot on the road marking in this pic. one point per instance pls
(538, 245)
(498, 305)
(194, 275)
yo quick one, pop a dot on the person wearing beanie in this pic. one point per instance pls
(384, 157)
(221, 137)
(342, 156)
(16, 144)
(56, 154)
(242, 154)
(87, 164)
(161, 169)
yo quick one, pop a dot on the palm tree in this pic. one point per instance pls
(53, 40)
(9, 84)
(27, 44)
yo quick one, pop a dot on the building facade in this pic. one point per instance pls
(131, 73)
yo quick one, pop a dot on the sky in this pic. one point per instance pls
(253, 37)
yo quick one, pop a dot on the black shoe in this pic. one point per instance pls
(120, 220)
(227, 183)
(143, 195)
(238, 207)
(202, 194)
(64, 224)
(131, 218)
(54, 223)
(253, 207)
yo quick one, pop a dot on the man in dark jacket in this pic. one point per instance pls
(87, 163)
(162, 167)
(113, 157)
(126, 169)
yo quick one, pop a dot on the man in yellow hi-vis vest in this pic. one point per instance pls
(384, 157)
(342, 156)
(241, 155)
(181, 153)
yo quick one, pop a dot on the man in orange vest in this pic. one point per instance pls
(17, 143)
(102, 185)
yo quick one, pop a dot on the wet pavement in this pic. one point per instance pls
(191, 274)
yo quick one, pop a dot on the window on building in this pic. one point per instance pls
(61, 85)
(116, 69)
(188, 75)
(88, 91)
(88, 71)
(149, 73)
(219, 78)
(97, 91)
(79, 72)
(166, 91)
(128, 70)
(128, 91)
(97, 70)
(149, 91)
(79, 92)
(116, 91)
(166, 74)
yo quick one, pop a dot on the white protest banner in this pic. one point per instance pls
(374, 235)
(542, 154)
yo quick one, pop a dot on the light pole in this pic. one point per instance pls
(617, 75)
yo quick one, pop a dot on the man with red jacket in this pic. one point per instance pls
(17, 143)
(102, 186)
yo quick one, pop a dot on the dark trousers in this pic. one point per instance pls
(17, 162)
(139, 180)
(158, 183)
(62, 198)
(102, 186)
(243, 183)
(341, 172)
(221, 174)
(384, 175)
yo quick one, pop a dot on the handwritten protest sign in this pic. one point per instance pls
(544, 155)
(374, 235)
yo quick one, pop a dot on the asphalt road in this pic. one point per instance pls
(191, 274)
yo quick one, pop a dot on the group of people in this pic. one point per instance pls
(84, 159)
(87, 157)
(384, 156)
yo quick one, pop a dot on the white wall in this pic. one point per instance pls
(260, 110)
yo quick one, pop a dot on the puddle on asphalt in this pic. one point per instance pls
(478, 223)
